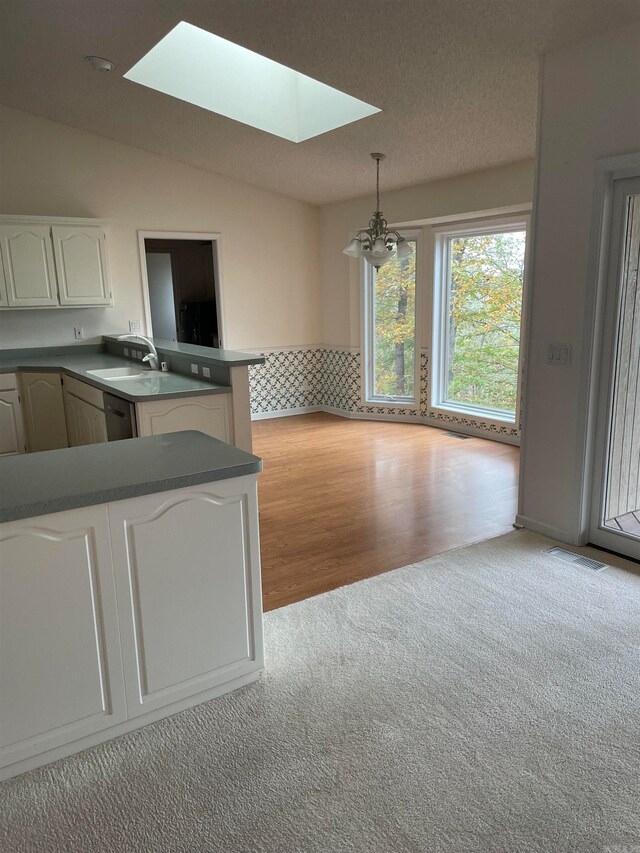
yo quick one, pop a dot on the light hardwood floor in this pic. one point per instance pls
(341, 500)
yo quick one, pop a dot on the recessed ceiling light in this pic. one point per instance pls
(206, 70)
(98, 63)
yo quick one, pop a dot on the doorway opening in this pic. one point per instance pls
(182, 288)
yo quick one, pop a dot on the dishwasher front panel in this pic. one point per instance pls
(121, 418)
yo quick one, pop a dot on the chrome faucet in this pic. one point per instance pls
(152, 355)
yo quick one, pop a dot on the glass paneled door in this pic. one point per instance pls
(615, 520)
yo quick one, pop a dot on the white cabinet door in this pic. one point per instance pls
(28, 265)
(43, 411)
(86, 424)
(71, 414)
(4, 301)
(187, 568)
(92, 424)
(81, 263)
(208, 414)
(60, 661)
(11, 433)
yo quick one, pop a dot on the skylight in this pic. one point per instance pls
(206, 70)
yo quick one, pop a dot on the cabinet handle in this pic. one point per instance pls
(116, 412)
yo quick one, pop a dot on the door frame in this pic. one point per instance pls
(608, 172)
(215, 239)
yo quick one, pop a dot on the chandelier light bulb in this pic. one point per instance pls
(404, 249)
(354, 249)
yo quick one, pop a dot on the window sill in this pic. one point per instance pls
(392, 404)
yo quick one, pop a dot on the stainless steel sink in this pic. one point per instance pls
(113, 373)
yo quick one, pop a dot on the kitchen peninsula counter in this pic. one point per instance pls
(35, 484)
(193, 372)
(130, 575)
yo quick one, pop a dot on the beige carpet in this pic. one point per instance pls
(484, 701)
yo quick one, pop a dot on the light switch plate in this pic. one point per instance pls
(135, 325)
(559, 354)
(206, 372)
(126, 352)
(194, 369)
(78, 333)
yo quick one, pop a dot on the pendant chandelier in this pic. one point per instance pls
(378, 243)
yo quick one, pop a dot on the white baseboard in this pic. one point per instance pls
(548, 530)
(285, 413)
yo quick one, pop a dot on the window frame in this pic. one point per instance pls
(367, 272)
(441, 301)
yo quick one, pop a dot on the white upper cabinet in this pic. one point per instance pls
(53, 263)
(27, 254)
(81, 262)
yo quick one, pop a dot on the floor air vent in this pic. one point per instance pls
(577, 559)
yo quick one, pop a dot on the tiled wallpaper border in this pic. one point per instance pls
(329, 378)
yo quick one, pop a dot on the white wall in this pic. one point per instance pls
(270, 257)
(590, 109)
(490, 189)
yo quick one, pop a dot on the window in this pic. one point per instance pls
(390, 323)
(479, 276)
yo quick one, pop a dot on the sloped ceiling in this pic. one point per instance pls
(456, 80)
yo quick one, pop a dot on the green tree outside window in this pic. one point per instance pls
(486, 276)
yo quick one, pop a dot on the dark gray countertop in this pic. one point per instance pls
(154, 386)
(223, 357)
(33, 484)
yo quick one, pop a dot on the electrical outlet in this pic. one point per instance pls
(194, 369)
(206, 373)
(135, 326)
(78, 333)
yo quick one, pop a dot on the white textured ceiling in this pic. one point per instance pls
(456, 80)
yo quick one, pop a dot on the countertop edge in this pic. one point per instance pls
(121, 493)
(224, 358)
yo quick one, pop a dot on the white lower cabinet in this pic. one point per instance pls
(86, 424)
(188, 587)
(120, 614)
(209, 414)
(11, 431)
(43, 411)
(60, 662)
